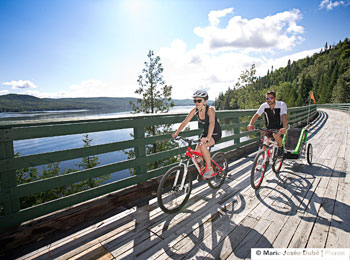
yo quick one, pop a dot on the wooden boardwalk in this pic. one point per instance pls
(304, 206)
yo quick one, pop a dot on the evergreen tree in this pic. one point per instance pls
(27, 175)
(156, 98)
(341, 92)
(325, 73)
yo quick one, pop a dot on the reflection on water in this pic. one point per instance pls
(58, 143)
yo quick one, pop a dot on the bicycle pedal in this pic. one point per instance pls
(200, 178)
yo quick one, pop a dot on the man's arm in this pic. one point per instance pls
(285, 124)
(252, 122)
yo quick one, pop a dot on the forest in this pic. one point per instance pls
(326, 73)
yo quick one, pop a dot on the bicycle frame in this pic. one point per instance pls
(268, 146)
(191, 154)
(175, 186)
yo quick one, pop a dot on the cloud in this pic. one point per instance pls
(190, 69)
(329, 4)
(4, 92)
(215, 15)
(218, 60)
(20, 84)
(279, 31)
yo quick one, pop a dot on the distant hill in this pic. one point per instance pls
(21, 103)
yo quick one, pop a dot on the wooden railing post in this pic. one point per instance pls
(140, 150)
(8, 179)
(236, 130)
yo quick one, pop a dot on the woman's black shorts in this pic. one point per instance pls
(216, 137)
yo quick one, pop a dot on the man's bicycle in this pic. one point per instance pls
(176, 184)
(266, 155)
(295, 146)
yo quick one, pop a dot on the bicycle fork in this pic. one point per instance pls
(184, 176)
(268, 155)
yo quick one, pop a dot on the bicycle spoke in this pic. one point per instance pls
(258, 170)
(220, 167)
(174, 190)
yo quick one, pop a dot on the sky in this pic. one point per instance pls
(97, 48)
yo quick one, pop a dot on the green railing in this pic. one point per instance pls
(11, 193)
(340, 106)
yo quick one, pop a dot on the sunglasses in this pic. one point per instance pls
(269, 98)
(197, 100)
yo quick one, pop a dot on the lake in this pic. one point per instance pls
(51, 144)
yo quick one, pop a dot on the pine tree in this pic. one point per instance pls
(156, 98)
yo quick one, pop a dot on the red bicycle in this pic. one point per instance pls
(176, 184)
(266, 155)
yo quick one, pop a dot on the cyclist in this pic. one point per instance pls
(211, 128)
(275, 118)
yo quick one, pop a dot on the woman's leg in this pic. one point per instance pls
(205, 151)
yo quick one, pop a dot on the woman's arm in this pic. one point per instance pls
(185, 122)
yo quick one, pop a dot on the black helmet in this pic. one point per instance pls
(201, 94)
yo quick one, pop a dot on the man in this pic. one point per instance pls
(275, 118)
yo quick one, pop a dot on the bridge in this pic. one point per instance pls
(302, 207)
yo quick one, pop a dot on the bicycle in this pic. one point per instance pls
(266, 155)
(176, 184)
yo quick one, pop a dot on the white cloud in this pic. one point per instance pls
(216, 63)
(215, 15)
(4, 92)
(329, 4)
(189, 70)
(279, 31)
(20, 84)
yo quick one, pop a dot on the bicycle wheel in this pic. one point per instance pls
(309, 153)
(277, 164)
(258, 170)
(220, 167)
(171, 195)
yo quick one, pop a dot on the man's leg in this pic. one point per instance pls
(279, 141)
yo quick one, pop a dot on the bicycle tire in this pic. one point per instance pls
(309, 153)
(170, 199)
(258, 170)
(219, 179)
(277, 164)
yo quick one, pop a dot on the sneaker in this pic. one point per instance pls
(280, 152)
(208, 173)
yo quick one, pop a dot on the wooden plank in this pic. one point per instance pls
(319, 235)
(339, 231)
(95, 252)
(244, 248)
(77, 242)
(309, 216)
(280, 231)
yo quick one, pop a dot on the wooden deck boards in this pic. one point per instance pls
(304, 206)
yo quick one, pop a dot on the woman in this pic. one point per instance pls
(211, 128)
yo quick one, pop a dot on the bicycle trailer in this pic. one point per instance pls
(293, 142)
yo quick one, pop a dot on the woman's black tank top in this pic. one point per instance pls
(205, 123)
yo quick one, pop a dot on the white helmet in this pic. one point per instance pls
(200, 94)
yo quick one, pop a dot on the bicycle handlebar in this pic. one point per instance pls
(275, 131)
(188, 141)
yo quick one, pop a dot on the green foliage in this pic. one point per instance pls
(27, 175)
(325, 73)
(156, 98)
